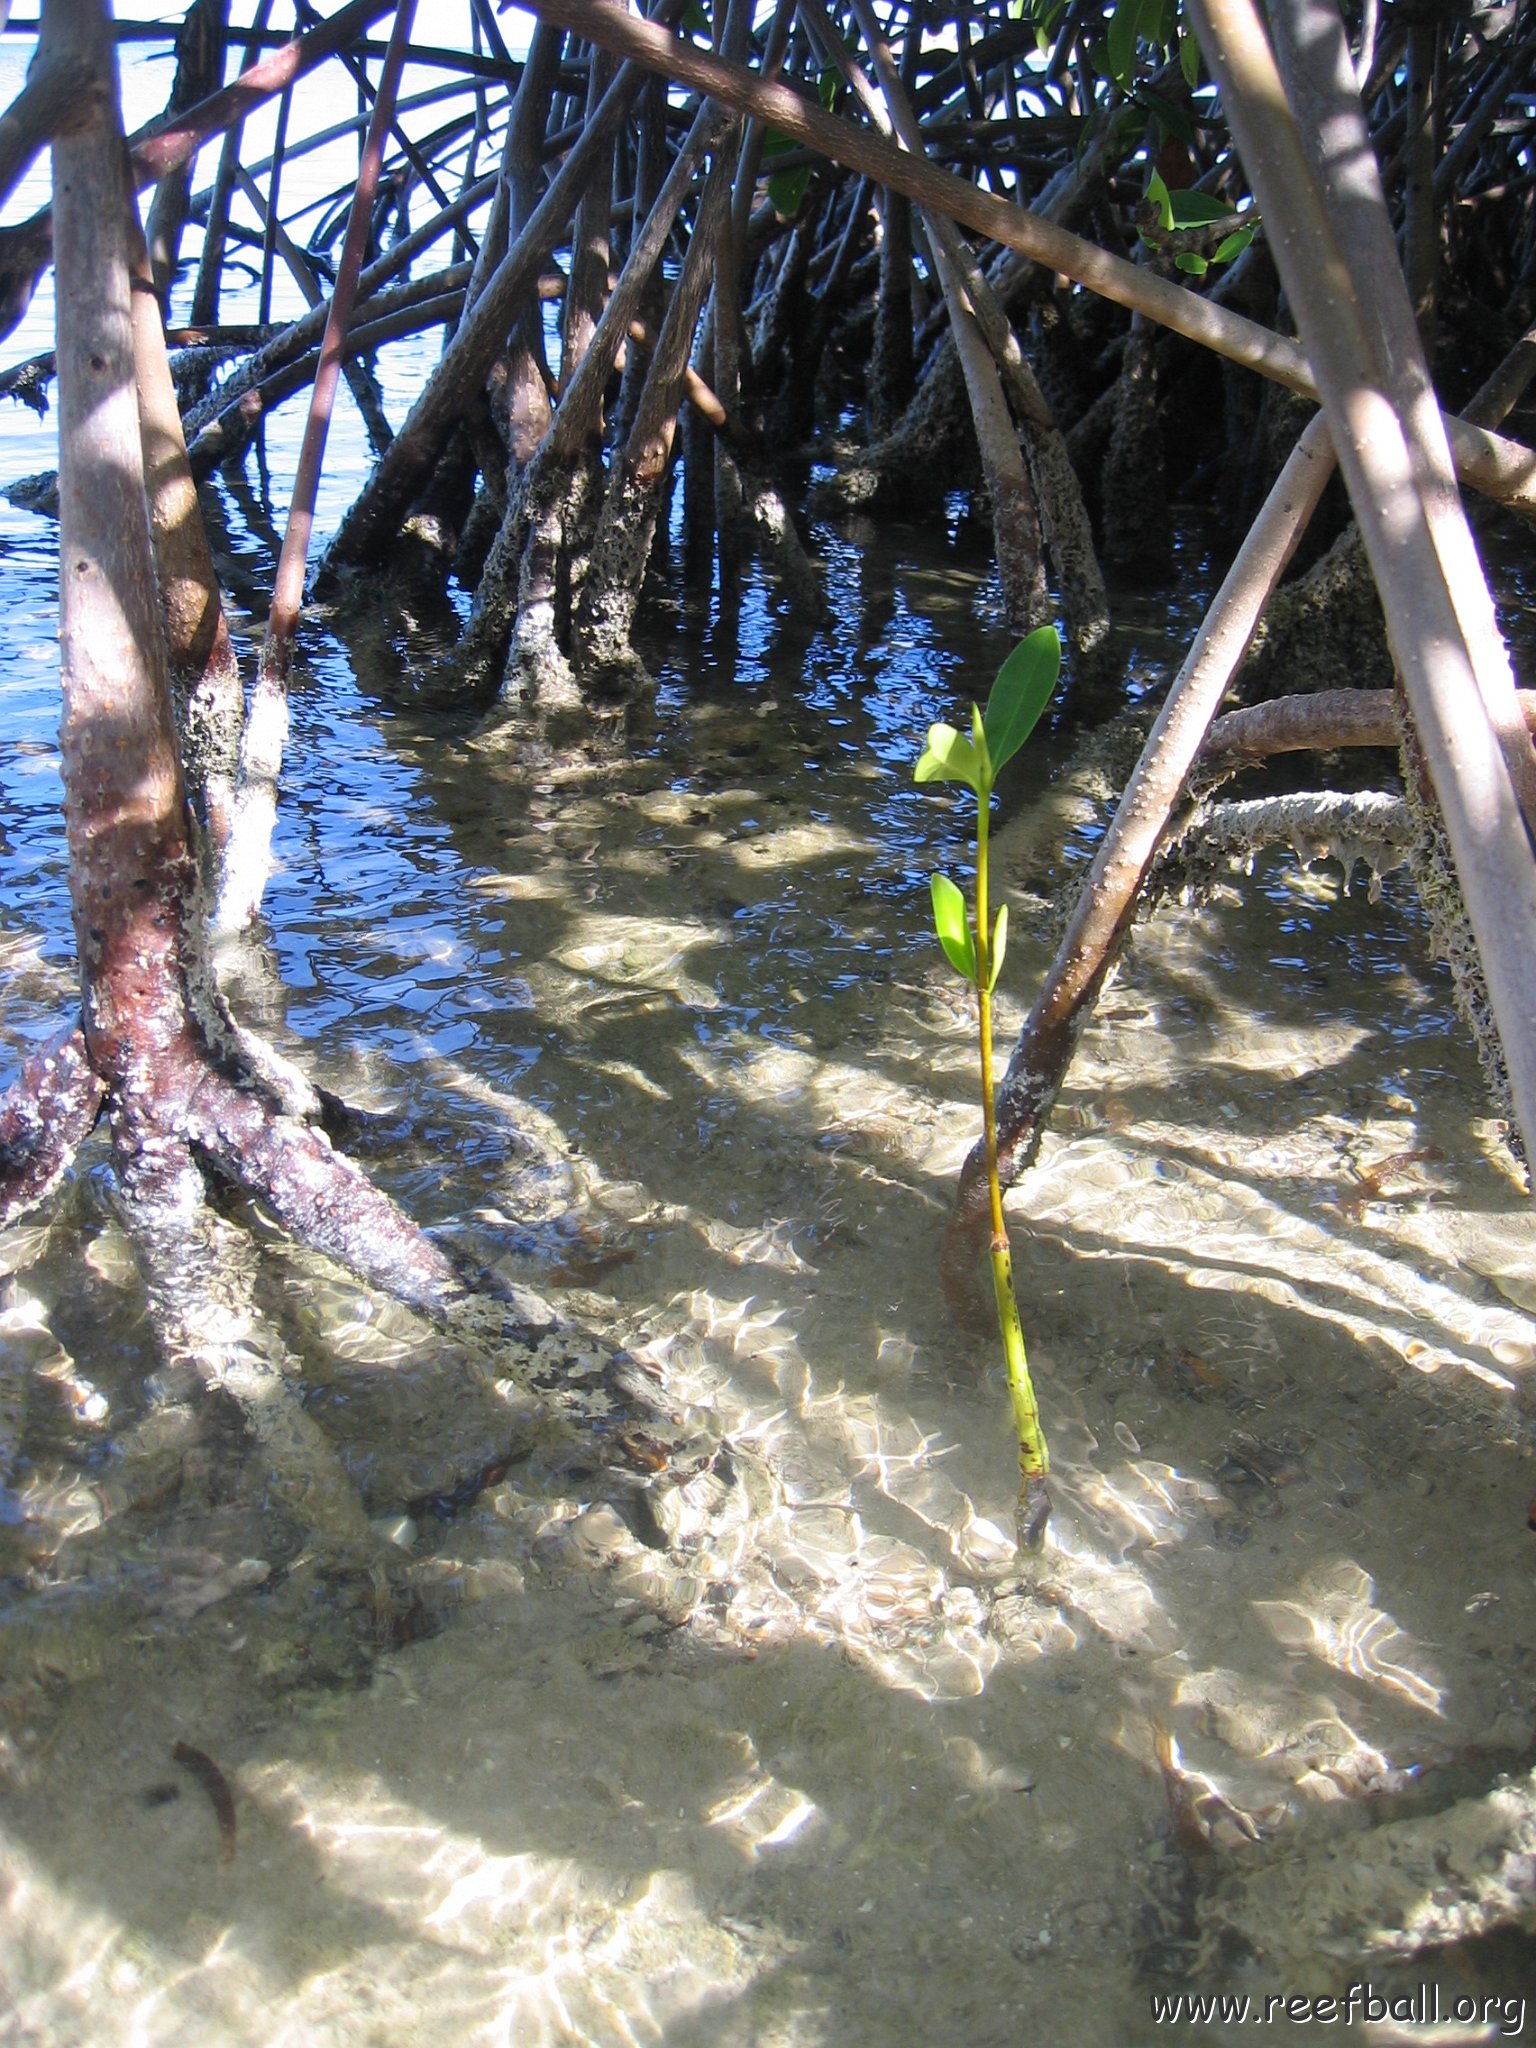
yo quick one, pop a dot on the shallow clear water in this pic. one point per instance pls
(799, 1753)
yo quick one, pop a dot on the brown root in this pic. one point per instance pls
(47, 1114)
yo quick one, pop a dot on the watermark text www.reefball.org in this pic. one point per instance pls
(1501, 2017)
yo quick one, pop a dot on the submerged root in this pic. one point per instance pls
(930, 450)
(45, 1117)
(526, 1385)
(606, 661)
(199, 1278)
(515, 647)
(319, 1197)
(537, 670)
(766, 520)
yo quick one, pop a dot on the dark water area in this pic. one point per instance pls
(798, 1753)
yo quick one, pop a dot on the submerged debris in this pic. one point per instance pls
(217, 1786)
(1399, 1890)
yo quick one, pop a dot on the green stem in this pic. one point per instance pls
(1034, 1459)
(984, 1005)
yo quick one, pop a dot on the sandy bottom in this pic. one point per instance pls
(790, 1747)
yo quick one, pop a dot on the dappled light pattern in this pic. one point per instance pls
(758, 1733)
(1340, 1624)
(467, 1946)
(806, 1558)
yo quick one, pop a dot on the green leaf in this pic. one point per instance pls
(1189, 59)
(1120, 50)
(1158, 196)
(948, 758)
(949, 921)
(1132, 23)
(1192, 264)
(1127, 126)
(1022, 691)
(999, 948)
(1198, 209)
(1234, 245)
(1169, 113)
(829, 84)
(695, 20)
(787, 190)
(984, 761)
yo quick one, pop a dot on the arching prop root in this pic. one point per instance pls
(318, 1195)
(517, 1383)
(1381, 831)
(187, 1111)
(1143, 820)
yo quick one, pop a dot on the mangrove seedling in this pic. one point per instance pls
(974, 947)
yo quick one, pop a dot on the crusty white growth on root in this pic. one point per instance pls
(1370, 827)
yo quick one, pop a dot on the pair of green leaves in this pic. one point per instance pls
(953, 926)
(1114, 55)
(1154, 22)
(1179, 210)
(1015, 703)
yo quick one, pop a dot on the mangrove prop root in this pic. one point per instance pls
(141, 1044)
(199, 1276)
(1500, 468)
(1320, 722)
(45, 1116)
(1318, 184)
(1365, 827)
